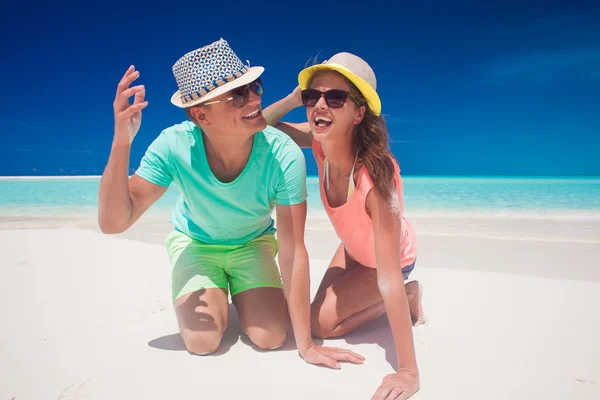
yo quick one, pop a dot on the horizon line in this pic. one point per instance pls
(76, 177)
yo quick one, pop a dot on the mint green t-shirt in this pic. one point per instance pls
(226, 213)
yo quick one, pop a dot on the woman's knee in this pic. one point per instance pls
(321, 322)
(321, 331)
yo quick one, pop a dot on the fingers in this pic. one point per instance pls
(381, 393)
(403, 396)
(129, 111)
(347, 355)
(395, 394)
(356, 355)
(125, 95)
(330, 362)
(128, 78)
(139, 96)
(130, 75)
(387, 393)
(316, 357)
(331, 356)
(129, 71)
(391, 392)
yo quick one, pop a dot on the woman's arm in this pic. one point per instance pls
(386, 219)
(293, 261)
(300, 133)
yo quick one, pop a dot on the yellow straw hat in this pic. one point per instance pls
(355, 69)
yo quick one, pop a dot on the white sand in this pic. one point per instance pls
(88, 316)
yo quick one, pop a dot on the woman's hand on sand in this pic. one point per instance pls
(128, 117)
(398, 386)
(330, 356)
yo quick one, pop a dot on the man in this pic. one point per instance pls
(232, 171)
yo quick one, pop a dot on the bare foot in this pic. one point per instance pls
(414, 292)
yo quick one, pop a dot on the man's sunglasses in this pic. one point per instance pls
(335, 98)
(239, 96)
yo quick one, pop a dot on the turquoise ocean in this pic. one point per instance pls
(495, 197)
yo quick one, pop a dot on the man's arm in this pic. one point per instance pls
(386, 219)
(121, 201)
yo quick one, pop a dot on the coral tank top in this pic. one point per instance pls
(351, 222)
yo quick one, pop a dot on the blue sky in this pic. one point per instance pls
(468, 88)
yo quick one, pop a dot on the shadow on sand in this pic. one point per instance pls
(377, 332)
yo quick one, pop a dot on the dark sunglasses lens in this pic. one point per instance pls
(240, 96)
(336, 98)
(257, 87)
(310, 97)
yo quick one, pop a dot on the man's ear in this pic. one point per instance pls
(199, 116)
(360, 115)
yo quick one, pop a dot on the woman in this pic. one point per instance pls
(361, 190)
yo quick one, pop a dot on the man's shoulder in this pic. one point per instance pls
(183, 129)
(280, 143)
(276, 136)
(176, 137)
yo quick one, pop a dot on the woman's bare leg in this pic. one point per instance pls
(349, 298)
(414, 292)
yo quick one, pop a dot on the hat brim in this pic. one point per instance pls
(250, 76)
(367, 90)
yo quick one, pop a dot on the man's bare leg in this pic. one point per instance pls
(263, 316)
(202, 316)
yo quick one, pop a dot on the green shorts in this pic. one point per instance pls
(197, 265)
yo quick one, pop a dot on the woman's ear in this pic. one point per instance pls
(360, 115)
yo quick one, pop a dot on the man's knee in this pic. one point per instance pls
(267, 339)
(202, 343)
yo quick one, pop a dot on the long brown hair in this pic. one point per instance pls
(371, 138)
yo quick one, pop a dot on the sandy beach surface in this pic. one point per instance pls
(512, 308)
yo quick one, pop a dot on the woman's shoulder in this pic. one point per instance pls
(317, 150)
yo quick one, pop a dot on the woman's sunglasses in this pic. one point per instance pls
(239, 96)
(335, 98)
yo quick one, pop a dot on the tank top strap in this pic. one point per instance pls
(351, 185)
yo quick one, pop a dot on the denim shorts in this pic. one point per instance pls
(408, 269)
